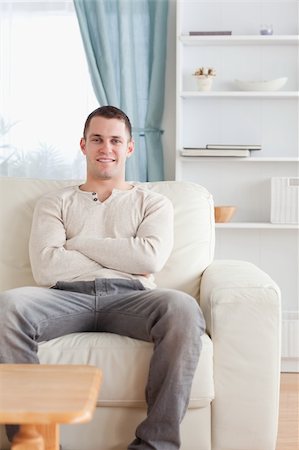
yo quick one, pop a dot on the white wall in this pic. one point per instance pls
(168, 123)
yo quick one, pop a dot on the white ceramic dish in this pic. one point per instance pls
(266, 85)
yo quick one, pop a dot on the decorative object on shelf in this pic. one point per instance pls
(234, 146)
(210, 33)
(266, 30)
(204, 77)
(224, 213)
(240, 152)
(264, 85)
(285, 200)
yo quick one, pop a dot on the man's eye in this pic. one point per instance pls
(116, 141)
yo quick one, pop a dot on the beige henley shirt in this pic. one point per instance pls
(75, 238)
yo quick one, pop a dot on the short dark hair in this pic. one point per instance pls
(109, 112)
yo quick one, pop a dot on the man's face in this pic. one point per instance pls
(106, 147)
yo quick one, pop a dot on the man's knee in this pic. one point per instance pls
(183, 311)
(8, 300)
(14, 303)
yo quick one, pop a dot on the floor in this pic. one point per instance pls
(288, 429)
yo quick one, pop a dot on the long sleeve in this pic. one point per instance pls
(74, 238)
(50, 261)
(144, 253)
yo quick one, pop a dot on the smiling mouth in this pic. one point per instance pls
(105, 160)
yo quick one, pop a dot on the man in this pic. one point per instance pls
(97, 246)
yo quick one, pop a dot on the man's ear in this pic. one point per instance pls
(131, 148)
(82, 146)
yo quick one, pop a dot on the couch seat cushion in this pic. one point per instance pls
(125, 363)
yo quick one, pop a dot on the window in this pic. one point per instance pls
(45, 90)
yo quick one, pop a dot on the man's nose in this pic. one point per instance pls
(105, 146)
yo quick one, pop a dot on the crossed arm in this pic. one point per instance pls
(54, 257)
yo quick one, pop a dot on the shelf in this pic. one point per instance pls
(257, 225)
(241, 94)
(240, 40)
(248, 159)
(232, 116)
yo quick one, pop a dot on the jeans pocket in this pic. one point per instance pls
(83, 287)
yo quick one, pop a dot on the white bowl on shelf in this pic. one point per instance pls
(265, 85)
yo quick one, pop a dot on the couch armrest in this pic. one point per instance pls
(241, 305)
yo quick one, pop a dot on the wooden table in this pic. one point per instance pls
(40, 397)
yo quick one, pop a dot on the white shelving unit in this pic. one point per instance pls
(240, 94)
(257, 226)
(252, 159)
(230, 116)
(239, 40)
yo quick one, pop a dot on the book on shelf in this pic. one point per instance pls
(243, 152)
(210, 33)
(234, 146)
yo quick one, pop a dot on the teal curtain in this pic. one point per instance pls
(125, 45)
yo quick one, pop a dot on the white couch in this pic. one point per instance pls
(235, 394)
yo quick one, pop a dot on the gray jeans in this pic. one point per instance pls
(171, 319)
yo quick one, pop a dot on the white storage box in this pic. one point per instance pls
(284, 200)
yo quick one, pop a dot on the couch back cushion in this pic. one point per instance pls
(193, 231)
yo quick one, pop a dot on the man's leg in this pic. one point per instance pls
(30, 315)
(173, 321)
